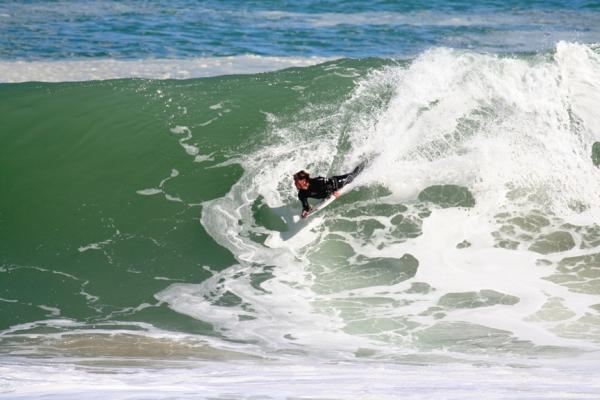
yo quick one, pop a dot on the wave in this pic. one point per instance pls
(468, 234)
(161, 222)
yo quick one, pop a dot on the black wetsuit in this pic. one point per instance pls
(322, 188)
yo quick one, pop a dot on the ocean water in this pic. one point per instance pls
(147, 242)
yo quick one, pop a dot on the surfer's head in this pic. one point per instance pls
(301, 180)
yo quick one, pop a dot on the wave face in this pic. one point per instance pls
(146, 220)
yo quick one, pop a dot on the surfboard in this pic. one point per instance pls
(296, 235)
(321, 205)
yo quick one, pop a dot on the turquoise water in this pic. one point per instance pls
(147, 241)
(41, 30)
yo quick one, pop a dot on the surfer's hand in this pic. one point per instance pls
(336, 194)
(304, 213)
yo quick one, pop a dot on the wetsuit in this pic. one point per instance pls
(322, 188)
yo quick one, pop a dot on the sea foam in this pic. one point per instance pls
(101, 69)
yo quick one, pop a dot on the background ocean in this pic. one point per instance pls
(146, 243)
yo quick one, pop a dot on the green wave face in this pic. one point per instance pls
(103, 185)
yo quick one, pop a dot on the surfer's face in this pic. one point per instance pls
(301, 184)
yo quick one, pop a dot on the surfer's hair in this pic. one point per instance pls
(301, 175)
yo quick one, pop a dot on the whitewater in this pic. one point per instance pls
(515, 135)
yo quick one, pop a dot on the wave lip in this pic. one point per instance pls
(102, 69)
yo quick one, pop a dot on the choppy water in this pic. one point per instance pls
(187, 29)
(78, 40)
(146, 242)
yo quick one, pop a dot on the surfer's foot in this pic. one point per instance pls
(359, 168)
(336, 194)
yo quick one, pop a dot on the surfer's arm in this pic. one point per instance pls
(305, 206)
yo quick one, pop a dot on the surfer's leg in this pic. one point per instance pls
(341, 180)
(347, 178)
(359, 168)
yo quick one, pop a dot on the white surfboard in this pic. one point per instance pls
(298, 234)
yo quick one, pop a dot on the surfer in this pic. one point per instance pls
(320, 187)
